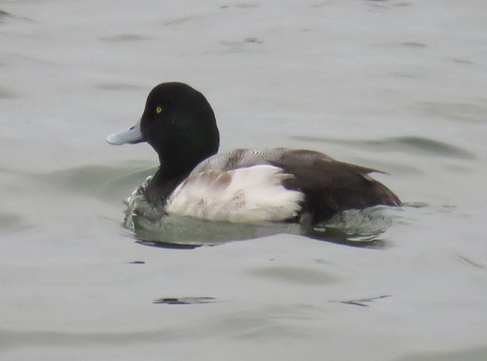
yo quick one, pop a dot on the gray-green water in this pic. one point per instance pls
(394, 85)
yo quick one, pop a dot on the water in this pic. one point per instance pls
(393, 85)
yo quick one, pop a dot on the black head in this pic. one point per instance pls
(180, 125)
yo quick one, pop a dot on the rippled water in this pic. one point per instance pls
(393, 85)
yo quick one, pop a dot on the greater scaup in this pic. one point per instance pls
(244, 185)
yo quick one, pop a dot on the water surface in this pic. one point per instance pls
(393, 85)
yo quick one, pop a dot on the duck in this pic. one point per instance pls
(243, 185)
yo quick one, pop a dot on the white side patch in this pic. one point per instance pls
(242, 195)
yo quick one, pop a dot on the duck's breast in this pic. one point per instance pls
(246, 194)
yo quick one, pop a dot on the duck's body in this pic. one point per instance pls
(244, 185)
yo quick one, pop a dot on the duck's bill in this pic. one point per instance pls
(131, 136)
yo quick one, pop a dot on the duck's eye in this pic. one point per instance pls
(158, 110)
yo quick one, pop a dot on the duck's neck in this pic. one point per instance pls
(162, 185)
(170, 174)
(178, 156)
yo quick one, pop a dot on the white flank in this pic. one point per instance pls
(242, 195)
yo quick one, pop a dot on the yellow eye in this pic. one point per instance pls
(158, 110)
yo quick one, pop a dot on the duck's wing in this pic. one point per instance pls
(331, 186)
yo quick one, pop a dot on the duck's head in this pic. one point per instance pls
(178, 123)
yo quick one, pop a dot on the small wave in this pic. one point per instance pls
(462, 112)
(407, 144)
